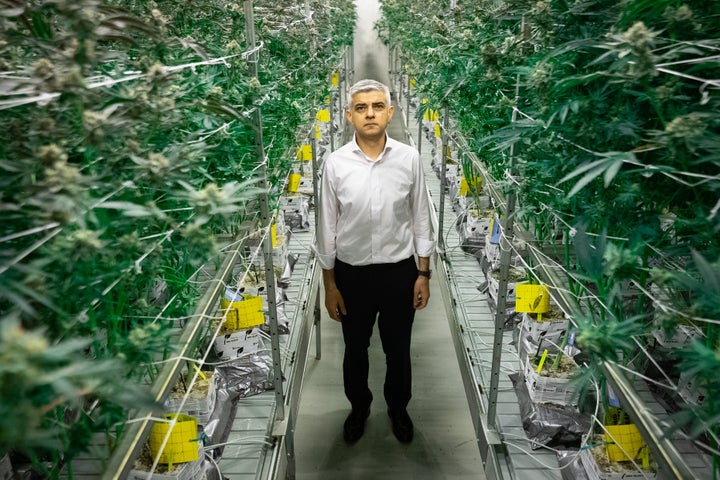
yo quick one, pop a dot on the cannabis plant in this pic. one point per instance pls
(128, 148)
(605, 116)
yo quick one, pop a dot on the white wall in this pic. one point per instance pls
(371, 56)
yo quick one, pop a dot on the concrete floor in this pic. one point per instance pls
(444, 446)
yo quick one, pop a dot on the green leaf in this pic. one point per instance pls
(612, 171)
(609, 165)
(130, 209)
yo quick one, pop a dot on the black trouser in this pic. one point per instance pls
(385, 289)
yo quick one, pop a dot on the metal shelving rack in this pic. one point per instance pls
(495, 411)
(260, 442)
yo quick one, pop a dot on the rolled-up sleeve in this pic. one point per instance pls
(327, 218)
(423, 235)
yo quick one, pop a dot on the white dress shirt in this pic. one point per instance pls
(373, 211)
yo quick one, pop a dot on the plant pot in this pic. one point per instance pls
(200, 400)
(296, 212)
(550, 387)
(690, 389)
(234, 343)
(6, 469)
(599, 467)
(678, 338)
(279, 251)
(547, 333)
(477, 223)
(181, 471)
(515, 277)
(492, 254)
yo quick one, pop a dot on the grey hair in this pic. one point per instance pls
(369, 85)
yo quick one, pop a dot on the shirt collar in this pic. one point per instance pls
(388, 146)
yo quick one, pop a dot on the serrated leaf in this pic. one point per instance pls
(580, 170)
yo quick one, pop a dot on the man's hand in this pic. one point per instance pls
(333, 298)
(335, 304)
(421, 293)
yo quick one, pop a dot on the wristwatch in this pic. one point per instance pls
(425, 273)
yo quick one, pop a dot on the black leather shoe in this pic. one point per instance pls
(355, 425)
(402, 426)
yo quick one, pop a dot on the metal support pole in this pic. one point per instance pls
(407, 107)
(398, 80)
(500, 309)
(419, 142)
(443, 180)
(351, 62)
(331, 127)
(315, 174)
(316, 201)
(341, 91)
(501, 304)
(266, 217)
(318, 331)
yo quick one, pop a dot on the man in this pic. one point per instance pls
(374, 218)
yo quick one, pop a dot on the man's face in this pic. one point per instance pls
(369, 114)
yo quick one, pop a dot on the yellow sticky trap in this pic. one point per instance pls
(412, 84)
(305, 152)
(273, 234)
(317, 131)
(181, 446)
(323, 115)
(626, 436)
(531, 298)
(241, 311)
(464, 187)
(293, 182)
(335, 79)
(542, 361)
(437, 130)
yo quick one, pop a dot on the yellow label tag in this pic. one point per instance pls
(542, 361)
(317, 131)
(335, 79)
(412, 83)
(437, 130)
(273, 234)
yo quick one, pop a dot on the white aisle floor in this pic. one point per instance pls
(445, 445)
